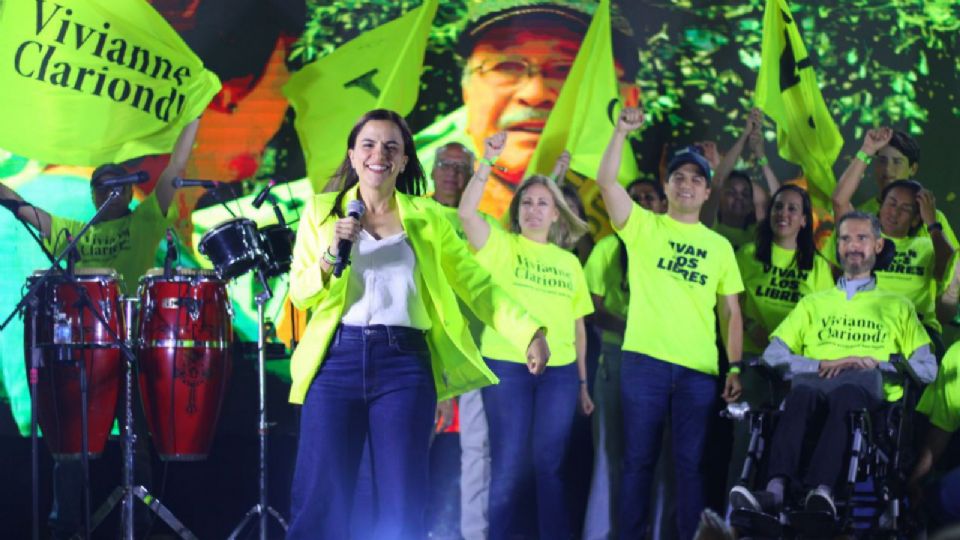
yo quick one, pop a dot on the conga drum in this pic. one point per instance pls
(68, 333)
(184, 360)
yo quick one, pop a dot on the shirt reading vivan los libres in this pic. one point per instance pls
(874, 323)
(546, 281)
(676, 272)
(605, 279)
(772, 290)
(127, 244)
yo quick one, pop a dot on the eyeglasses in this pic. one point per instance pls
(511, 71)
(454, 166)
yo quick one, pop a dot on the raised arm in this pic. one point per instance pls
(708, 214)
(756, 144)
(560, 168)
(615, 197)
(942, 250)
(476, 228)
(24, 211)
(176, 166)
(874, 140)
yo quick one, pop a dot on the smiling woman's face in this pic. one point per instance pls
(378, 154)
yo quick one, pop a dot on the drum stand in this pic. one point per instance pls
(261, 508)
(126, 491)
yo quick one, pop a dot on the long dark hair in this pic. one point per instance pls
(806, 249)
(411, 180)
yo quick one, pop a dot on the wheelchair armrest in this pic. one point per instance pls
(903, 369)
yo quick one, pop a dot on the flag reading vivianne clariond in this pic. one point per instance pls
(84, 82)
(787, 91)
(379, 68)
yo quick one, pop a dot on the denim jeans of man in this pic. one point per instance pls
(652, 392)
(529, 419)
(376, 382)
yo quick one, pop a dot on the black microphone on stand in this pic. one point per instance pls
(262, 196)
(171, 256)
(355, 209)
(120, 181)
(183, 182)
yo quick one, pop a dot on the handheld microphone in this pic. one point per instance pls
(171, 256)
(355, 209)
(183, 182)
(138, 177)
(262, 196)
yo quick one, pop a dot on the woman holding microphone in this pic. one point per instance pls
(530, 414)
(386, 338)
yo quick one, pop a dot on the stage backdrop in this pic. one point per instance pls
(693, 65)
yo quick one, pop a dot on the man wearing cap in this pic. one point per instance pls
(123, 240)
(679, 273)
(517, 58)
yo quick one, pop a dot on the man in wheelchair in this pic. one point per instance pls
(835, 348)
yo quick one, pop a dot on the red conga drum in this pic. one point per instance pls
(66, 336)
(184, 360)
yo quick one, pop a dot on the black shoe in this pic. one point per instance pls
(762, 502)
(819, 500)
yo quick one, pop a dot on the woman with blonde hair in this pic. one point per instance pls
(530, 415)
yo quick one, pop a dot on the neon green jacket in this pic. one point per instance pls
(445, 270)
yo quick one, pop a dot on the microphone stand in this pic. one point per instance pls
(261, 508)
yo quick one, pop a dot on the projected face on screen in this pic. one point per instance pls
(511, 82)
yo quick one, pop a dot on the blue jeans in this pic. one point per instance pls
(650, 390)
(376, 382)
(529, 419)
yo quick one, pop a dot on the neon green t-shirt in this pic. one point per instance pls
(546, 281)
(772, 290)
(874, 323)
(605, 278)
(737, 236)
(910, 274)
(676, 272)
(941, 400)
(873, 207)
(127, 244)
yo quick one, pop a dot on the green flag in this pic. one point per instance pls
(787, 91)
(85, 82)
(583, 119)
(378, 69)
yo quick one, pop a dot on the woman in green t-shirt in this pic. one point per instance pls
(530, 414)
(777, 269)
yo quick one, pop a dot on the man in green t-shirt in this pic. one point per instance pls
(123, 240)
(835, 346)
(680, 275)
